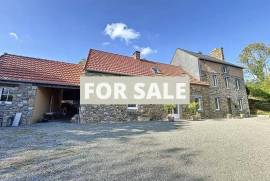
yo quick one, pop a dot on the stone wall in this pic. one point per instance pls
(98, 113)
(195, 92)
(223, 93)
(23, 102)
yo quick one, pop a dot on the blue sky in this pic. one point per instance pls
(66, 30)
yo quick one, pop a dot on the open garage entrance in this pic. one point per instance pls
(57, 104)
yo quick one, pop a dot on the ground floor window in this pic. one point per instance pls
(199, 101)
(217, 103)
(240, 102)
(132, 106)
(5, 95)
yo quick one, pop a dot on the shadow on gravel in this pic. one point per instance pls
(93, 132)
(62, 151)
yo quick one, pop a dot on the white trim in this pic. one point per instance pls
(225, 69)
(133, 108)
(215, 80)
(240, 102)
(176, 115)
(237, 83)
(200, 103)
(227, 82)
(5, 102)
(1, 90)
(217, 100)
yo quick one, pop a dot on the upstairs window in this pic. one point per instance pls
(217, 103)
(227, 82)
(215, 81)
(5, 95)
(237, 84)
(132, 106)
(224, 69)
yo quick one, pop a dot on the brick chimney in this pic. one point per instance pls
(217, 53)
(137, 55)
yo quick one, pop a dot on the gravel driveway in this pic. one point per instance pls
(187, 150)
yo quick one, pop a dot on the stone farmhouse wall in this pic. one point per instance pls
(223, 93)
(97, 113)
(198, 91)
(23, 102)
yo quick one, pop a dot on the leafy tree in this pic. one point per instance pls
(255, 57)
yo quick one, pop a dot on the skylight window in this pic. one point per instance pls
(156, 70)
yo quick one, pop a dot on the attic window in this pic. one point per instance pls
(156, 70)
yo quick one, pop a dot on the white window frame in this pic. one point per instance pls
(1, 90)
(215, 80)
(227, 82)
(237, 84)
(217, 100)
(132, 108)
(240, 103)
(199, 103)
(225, 69)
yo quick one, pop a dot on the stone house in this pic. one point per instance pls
(227, 92)
(35, 86)
(104, 63)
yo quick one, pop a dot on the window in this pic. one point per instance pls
(227, 82)
(217, 103)
(199, 101)
(132, 106)
(215, 81)
(240, 102)
(200, 69)
(5, 95)
(224, 69)
(156, 70)
(237, 84)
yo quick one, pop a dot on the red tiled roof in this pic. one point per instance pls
(101, 61)
(27, 69)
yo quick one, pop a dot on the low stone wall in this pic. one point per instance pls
(97, 113)
(23, 102)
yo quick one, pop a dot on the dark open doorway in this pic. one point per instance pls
(56, 104)
(229, 103)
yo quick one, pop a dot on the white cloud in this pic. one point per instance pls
(145, 51)
(122, 31)
(14, 35)
(106, 43)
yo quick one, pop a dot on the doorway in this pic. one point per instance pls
(229, 103)
(175, 111)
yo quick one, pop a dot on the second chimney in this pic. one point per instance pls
(217, 53)
(137, 55)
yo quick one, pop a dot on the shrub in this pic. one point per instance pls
(192, 108)
(260, 89)
(168, 108)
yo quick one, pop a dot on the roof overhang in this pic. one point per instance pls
(40, 84)
(226, 63)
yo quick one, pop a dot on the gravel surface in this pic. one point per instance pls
(188, 150)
